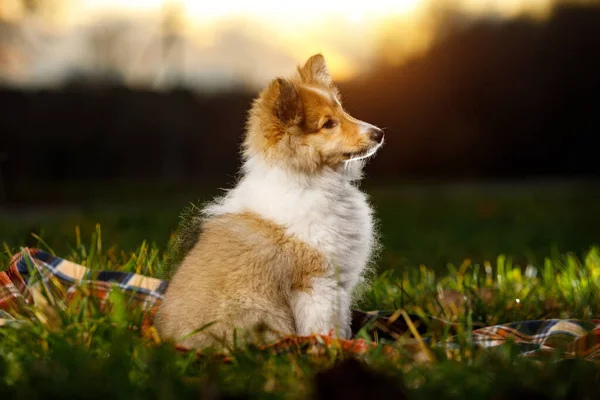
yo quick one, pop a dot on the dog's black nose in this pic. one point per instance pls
(377, 134)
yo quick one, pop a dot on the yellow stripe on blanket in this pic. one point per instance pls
(566, 326)
(74, 271)
(144, 282)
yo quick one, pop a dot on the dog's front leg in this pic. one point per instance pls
(325, 307)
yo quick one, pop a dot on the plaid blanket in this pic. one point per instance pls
(63, 280)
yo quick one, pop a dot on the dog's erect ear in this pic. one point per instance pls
(315, 71)
(288, 106)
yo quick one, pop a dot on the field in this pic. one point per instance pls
(434, 236)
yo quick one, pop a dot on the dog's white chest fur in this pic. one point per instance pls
(326, 212)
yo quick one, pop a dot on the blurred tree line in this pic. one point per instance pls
(496, 98)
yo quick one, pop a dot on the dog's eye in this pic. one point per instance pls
(329, 124)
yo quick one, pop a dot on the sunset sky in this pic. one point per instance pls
(224, 42)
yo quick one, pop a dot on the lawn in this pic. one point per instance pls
(419, 224)
(531, 246)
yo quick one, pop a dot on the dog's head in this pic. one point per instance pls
(300, 123)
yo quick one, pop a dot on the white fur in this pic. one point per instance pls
(326, 308)
(325, 211)
(366, 154)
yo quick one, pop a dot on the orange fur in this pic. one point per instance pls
(240, 275)
(307, 100)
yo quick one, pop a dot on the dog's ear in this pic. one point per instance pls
(315, 71)
(288, 105)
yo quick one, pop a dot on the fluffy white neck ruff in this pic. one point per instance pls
(325, 210)
(281, 186)
(349, 171)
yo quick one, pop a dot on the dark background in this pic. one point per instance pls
(495, 99)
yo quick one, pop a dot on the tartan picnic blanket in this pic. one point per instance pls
(64, 280)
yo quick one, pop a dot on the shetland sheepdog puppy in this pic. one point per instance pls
(283, 251)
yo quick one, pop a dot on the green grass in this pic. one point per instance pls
(420, 224)
(97, 354)
(514, 242)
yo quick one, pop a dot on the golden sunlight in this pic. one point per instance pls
(346, 31)
(303, 28)
(265, 37)
(301, 11)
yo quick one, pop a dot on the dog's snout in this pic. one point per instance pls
(376, 134)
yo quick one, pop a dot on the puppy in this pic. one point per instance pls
(283, 251)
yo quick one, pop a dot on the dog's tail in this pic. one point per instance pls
(184, 239)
